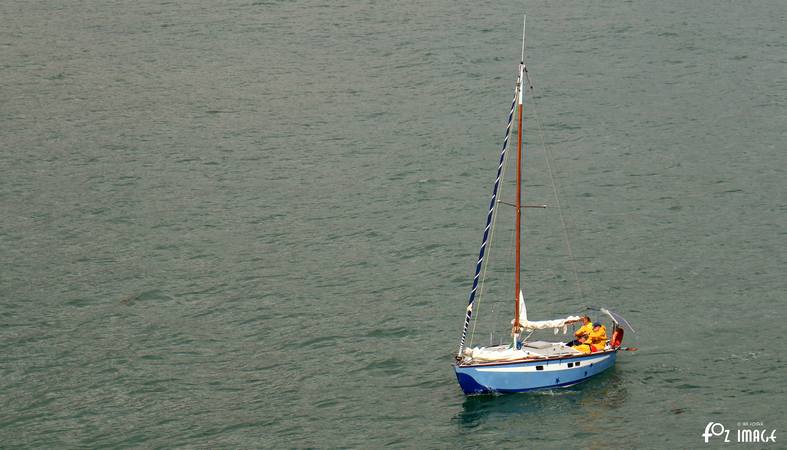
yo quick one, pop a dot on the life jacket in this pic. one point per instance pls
(617, 338)
(584, 329)
(598, 337)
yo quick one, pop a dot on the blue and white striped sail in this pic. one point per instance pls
(489, 220)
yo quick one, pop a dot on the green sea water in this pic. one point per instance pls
(254, 224)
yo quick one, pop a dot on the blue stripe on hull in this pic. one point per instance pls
(505, 378)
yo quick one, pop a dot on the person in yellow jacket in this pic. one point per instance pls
(586, 328)
(598, 336)
(583, 345)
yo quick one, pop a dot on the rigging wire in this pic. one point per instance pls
(555, 190)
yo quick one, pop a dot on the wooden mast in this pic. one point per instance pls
(520, 94)
(518, 260)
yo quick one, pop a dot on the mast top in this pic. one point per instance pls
(524, 24)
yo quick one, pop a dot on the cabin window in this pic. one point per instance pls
(570, 364)
(578, 363)
(539, 367)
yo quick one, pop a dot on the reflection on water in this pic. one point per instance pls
(593, 400)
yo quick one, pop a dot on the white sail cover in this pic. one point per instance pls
(500, 353)
(542, 324)
(522, 308)
(537, 349)
(556, 324)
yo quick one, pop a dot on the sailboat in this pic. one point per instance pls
(523, 364)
